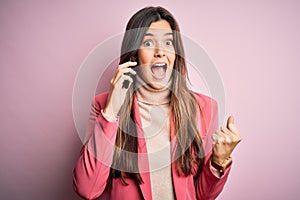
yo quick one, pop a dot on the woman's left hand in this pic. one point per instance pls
(225, 140)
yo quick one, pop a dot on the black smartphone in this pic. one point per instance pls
(126, 82)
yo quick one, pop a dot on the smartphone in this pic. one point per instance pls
(126, 83)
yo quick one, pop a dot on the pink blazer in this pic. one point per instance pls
(92, 169)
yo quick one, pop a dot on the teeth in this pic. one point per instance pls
(160, 64)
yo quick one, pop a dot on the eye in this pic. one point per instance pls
(148, 43)
(169, 42)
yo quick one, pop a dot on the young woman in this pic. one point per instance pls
(149, 136)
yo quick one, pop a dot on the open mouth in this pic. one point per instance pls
(159, 70)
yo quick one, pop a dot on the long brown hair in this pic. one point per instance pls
(189, 150)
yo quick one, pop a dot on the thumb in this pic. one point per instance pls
(230, 121)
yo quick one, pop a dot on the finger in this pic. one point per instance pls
(218, 132)
(127, 64)
(214, 138)
(226, 131)
(127, 70)
(218, 137)
(127, 78)
(118, 82)
(233, 128)
(116, 78)
(119, 73)
(234, 136)
(230, 121)
(228, 135)
(221, 139)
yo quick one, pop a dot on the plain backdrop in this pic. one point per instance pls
(255, 46)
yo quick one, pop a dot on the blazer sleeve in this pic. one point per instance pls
(207, 184)
(93, 166)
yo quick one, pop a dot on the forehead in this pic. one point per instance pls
(159, 27)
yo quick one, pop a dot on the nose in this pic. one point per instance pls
(159, 52)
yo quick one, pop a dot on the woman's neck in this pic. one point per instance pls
(149, 95)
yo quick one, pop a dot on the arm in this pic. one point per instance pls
(92, 169)
(209, 185)
(219, 144)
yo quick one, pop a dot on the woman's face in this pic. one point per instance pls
(157, 54)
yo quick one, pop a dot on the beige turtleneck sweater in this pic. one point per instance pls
(154, 112)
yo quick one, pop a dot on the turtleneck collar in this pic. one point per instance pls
(147, 94)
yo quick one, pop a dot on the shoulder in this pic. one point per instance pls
(208, 113)
(205, 101)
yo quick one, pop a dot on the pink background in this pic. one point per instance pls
(255, 47)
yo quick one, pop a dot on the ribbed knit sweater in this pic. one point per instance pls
(154, 112)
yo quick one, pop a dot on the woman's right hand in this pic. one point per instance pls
(117, 92)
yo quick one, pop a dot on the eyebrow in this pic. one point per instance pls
(151, 34)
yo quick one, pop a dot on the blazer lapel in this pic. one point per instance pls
(179, 183)
(143, 161)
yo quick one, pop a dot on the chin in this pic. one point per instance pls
(159, 84)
